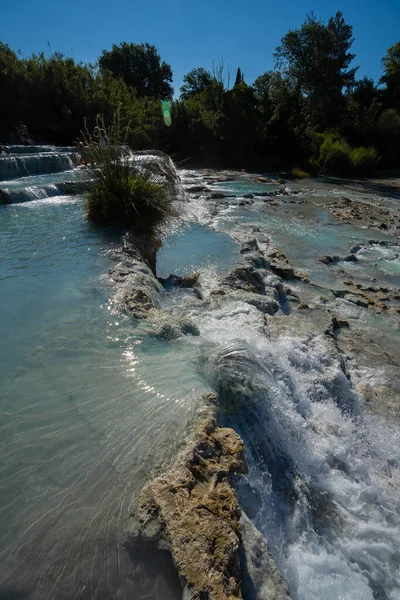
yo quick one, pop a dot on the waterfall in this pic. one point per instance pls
(36, 149)
(12, 167)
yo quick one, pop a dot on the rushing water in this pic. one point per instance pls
(91, 405)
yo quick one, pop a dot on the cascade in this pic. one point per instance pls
(12, 167)
(100, 392)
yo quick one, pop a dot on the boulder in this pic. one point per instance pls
(263, 179)
(245, 277)
(282, 269)
(164, 326)
(4, 197)
(171, 280)
(190, 281)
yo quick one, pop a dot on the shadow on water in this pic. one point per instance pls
(249, 590)
(107, 234)
(154, 576)
(13, 594)
(383, 188)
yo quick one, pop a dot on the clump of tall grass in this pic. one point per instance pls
(122, 192)
(298, 173)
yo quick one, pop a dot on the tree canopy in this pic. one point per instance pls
(310, 110)
(317, 58)
(391, 76)
(141, 67)
(195, 82)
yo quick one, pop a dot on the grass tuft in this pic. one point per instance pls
(123, 192)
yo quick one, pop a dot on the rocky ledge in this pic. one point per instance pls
(193, 509)
(134, 275)
(366, 214)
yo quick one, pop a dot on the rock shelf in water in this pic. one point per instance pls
(193, 510)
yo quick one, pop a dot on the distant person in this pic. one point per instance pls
(96, 137)
(24, 134)
(82, 151)
(76, 155)
(85, 154)
(103, 139)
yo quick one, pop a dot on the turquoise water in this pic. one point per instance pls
(193, 248)
(92, 406)
(306, 231)
(86, 409)
(44, 179)
(245, 187)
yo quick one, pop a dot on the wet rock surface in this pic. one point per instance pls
(134, 276)
(193, 511)
(164, 326)
(261, 578)
(374, 217)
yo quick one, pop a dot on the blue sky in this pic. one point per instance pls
(191, 34)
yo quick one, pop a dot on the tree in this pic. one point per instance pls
(239, 77)
(317, 58)
(140, 66)
(361, 112)
(195, 82)
(391, 76)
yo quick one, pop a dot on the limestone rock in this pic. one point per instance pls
(220, 195)
(197, 188)
(171, 280)
(261, 578)
(282, 269)
(190, 281)
(266, 304)
(164, 326)
(245, 277)
(138, 303)
(194, 509)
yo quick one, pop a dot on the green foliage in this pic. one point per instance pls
(298, 173)
(387, 136)
(391, 77)
(140, 66)
(363, 159)
(239, 77)
(316, 57)
(277, 122)
(53, 95)
(195, 82)
(334, 155)
(121, 193)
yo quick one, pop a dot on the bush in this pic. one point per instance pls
(131, 201)
(364, 159)
(122, 193)
(334, 155)
(299, 173)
